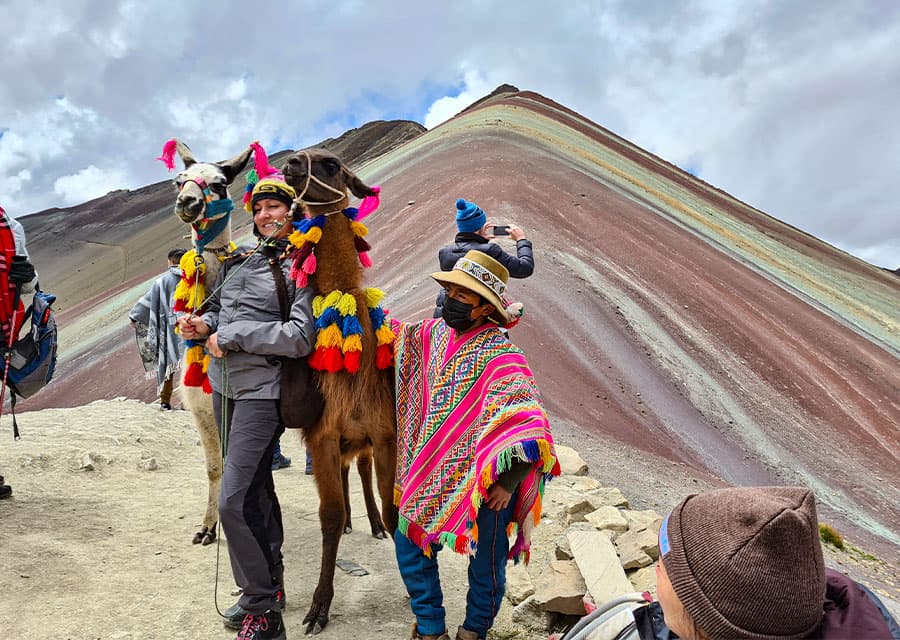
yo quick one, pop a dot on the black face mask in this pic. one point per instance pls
(457, 315)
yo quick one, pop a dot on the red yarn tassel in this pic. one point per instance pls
(462, 543)
(384, 357)
(206, 386)
(365, 260)
(180, 305)
(352, 360)
(193, 375)
(361, 244)
(332, 359)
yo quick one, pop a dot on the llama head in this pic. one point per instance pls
(320, 178)
(201, 183)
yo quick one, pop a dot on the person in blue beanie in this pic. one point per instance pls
(475, 234)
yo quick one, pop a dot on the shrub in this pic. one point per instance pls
(830, 535)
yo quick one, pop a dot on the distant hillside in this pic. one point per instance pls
(663, 315)
(358, 146)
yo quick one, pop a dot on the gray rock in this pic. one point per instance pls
(643, 579)
(148, 464)
(599, 565)
(518, 584)
(87, 463)
(563, 550)
(638, 548)
(530, 615)
(638, 520)
(561, 588)
(608, 518)
(570, 461)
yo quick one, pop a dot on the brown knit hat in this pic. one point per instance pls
(746, 562)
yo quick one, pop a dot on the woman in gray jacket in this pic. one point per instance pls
(247, 338)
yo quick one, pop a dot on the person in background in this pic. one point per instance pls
(475, 234)
(152, 316)
(474, 447)
(21, 276)
(746, 563)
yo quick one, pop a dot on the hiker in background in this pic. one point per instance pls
(154, 322)
(245, 337)
(20, 281)
(475, 234)
(747, 562)
(474, 447)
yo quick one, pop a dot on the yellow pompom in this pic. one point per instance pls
(373, 297)
(332, 299)
(194, 354)
(352, 343)
(384, 335)
(347, 305)
(314, 234)
(198, 295)
(359, 229)
(297, 238)
(182, 291)
(205, 363)
(318, 305)
(330, 336)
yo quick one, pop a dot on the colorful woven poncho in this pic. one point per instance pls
(466, 408)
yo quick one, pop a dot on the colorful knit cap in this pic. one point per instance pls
(469, 216)
(746, 562)
(272, 188)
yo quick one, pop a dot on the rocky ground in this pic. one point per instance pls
(96, 538)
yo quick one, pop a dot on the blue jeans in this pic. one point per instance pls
(487, 576)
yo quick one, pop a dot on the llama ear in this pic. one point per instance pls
(187, 157)
(359, 188)
(234, 166)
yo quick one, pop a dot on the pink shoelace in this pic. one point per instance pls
(251, 624)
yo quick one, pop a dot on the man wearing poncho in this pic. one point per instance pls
(474, 447)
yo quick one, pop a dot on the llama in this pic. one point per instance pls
(203, 203)
(353, 355)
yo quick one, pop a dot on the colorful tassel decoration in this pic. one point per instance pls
(369, 203)
(168, 154)
(365, 260)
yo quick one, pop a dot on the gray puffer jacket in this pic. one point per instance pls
(247, 318)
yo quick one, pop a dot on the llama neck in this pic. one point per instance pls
(338, 262)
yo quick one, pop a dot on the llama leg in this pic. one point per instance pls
(327, 455)
(201, 408)
(345, 485)
(364, 466)
(385, 472)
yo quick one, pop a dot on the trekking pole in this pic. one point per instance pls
(9, 344)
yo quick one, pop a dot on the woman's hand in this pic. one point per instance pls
(497, 498)
(192, 327)
(212, 345)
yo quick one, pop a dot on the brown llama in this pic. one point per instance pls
(352, 357)
(203, 203)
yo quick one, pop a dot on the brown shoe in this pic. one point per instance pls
(465, 634)
(418, 636)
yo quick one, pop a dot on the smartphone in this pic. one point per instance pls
(501, 230)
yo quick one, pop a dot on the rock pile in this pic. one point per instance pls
(602, 549)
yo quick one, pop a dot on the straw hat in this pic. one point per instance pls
(485, 276)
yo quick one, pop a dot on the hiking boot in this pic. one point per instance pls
(165, 406)
(280, 461)
(235, 614)
(5, 490)
(418, 636)
(265, 626)
(465, 634)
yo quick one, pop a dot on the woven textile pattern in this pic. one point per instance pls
(466, 408)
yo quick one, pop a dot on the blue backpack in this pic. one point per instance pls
(32, 358)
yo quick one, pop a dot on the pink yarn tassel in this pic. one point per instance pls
(301, 280)
(309, 265)
(369, 204)
(365, 260)
(168, 154)
(261, 162)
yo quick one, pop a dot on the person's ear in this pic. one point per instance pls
(487, 310)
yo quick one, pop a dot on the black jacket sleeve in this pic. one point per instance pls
(519, 266)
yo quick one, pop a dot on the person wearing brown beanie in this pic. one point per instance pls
(746, 563)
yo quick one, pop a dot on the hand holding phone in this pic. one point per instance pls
(501, 230)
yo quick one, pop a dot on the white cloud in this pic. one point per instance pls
(89, 183)
(785, 105)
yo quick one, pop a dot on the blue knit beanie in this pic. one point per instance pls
(469, 216)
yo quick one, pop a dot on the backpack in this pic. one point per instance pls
(631, 616)
(32, 359)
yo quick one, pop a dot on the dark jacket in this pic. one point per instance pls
(247, 317)
(519, 266)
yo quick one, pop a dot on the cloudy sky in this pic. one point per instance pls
(790, 106)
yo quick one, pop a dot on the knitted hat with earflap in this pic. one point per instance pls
(746, 562)
(469, 216)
